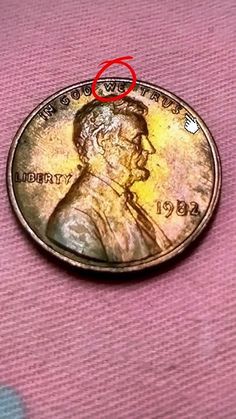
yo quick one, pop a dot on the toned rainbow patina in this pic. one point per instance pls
(116, 187)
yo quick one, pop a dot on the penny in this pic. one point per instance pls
(114, 186)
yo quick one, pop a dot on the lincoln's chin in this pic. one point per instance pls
(145, 174)
(139, 175)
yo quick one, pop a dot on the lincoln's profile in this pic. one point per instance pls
(100, 217)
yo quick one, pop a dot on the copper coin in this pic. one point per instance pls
(114, 186)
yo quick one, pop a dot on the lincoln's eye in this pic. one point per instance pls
(137, 139)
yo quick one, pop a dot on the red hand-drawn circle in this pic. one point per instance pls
(108, 63)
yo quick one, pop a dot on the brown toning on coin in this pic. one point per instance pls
(114, 186)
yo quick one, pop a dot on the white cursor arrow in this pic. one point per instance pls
(191, 124)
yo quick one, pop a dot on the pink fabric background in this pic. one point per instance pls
(159, 347)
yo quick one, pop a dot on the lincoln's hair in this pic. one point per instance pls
(100, 117)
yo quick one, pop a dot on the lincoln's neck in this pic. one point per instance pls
(101, 167)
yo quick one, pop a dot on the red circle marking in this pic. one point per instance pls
(107, 64)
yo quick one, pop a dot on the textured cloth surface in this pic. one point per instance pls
(162, 345)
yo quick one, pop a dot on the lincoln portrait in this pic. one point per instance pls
(100, 217)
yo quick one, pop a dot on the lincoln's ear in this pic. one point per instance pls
(101, 140)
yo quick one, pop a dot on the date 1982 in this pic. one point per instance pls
(180, 208)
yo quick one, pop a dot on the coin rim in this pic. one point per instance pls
(123, 266)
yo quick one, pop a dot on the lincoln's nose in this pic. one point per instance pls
(147, 145)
